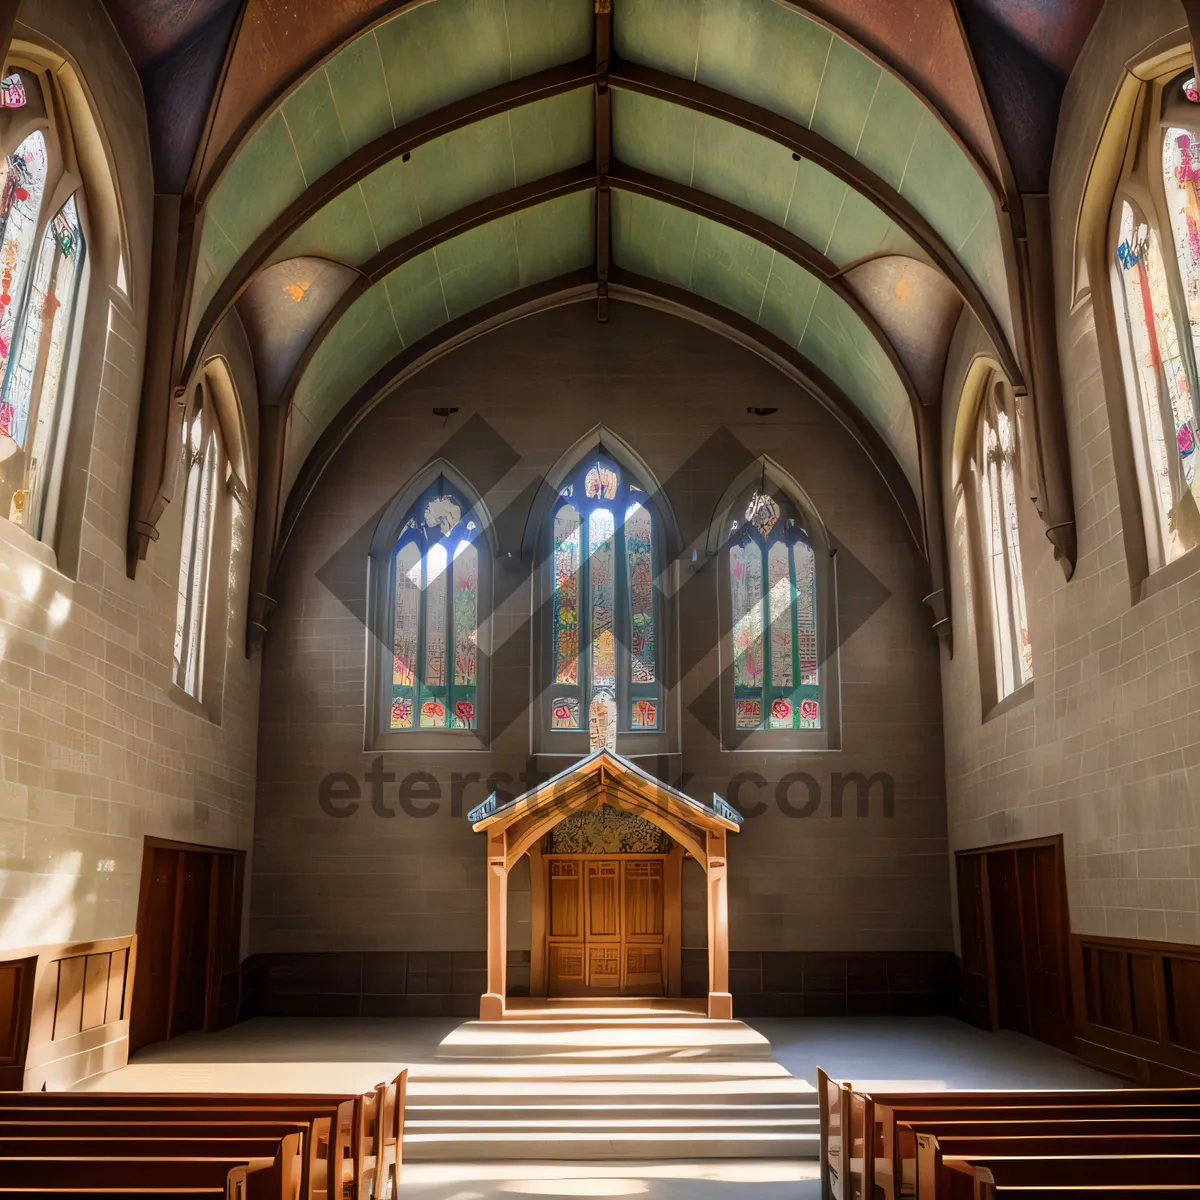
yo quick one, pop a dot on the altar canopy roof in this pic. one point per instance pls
(604, 778)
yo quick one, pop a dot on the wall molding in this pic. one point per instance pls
(1137, 1007)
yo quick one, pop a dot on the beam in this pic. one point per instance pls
(574, 288)
(391, 257)
(781, 240)
(391, 145)
(802, 141)
(602, 140)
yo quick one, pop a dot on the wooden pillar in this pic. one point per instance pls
(720, 1001)
(673, 895)
(491, 1003)
(538, 898)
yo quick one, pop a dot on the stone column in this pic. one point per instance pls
(491, 1003)
(720, 1001)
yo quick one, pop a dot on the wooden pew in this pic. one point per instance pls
(365, 1145)
(273, 1177)
(326, 1122)
(869, 1141)
(348, 1145)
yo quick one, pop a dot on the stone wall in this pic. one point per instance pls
(391, 879)
(1106, 750)
(97, 747)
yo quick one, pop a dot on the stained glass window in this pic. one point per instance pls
(435, 615)
(995, 461)
(203, 470)
(605, 642)
(35, 357)
(773, 594)
(1161, 367)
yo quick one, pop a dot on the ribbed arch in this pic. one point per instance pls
(784, 60)
(411, 64)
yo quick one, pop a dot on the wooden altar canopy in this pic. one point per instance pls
(603, 778)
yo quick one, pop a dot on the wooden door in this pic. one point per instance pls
(1015, 930)
(189, 925)
(606, 926)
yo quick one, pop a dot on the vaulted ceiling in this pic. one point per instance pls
(822, 179)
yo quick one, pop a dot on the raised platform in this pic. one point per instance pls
(606, 1079)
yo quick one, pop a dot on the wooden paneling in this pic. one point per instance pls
(77, 1024)
(95, 989)
(1015, 934)
(1183, 1001)
(1138, 1007)
(607, 925)
(68, 1010)
(564, 899)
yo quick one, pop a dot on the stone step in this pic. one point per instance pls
(756, 1091)
(619, 1141)
(429, 1114)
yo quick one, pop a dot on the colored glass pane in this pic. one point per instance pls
(565, 712)
(466, 604)
(601, 583)
(1164, 390)
(407, 634)
(22, 180)
(444, 513)
(12, 92)
(436, 561)
(779, 609)
(805, 566)
(601, 482)
(762, 512)
(745, 571)
(566, 598)
(641, 594)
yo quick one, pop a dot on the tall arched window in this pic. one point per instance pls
(605, 629)
(777, 610)
(1156, 241)
(203, 474)
(430, 564)
(42, 259)
(1005, 619)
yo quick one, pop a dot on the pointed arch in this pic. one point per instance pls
(429, 616)
(603, 539)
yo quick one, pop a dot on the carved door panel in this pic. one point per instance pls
(644, 964)
(604, 924)
(565, 928)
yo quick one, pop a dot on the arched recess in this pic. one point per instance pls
(381, 615)
(616, 447)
